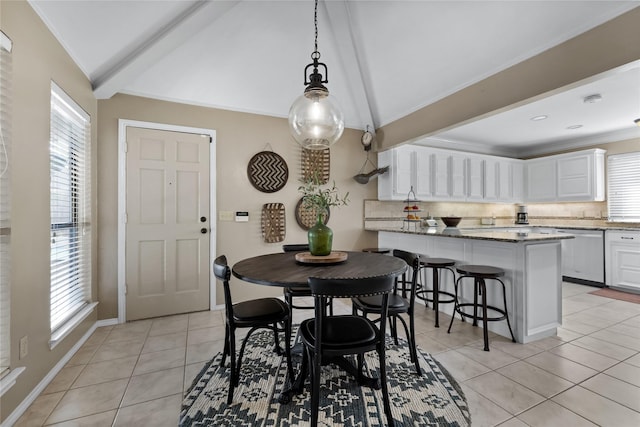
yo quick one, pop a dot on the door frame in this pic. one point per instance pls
(123, 124)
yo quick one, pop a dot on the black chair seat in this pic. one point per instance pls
(396, 303)
(266, 310)
(340, 332)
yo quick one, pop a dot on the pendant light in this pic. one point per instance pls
(315, 119)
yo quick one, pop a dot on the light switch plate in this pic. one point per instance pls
(225, 215)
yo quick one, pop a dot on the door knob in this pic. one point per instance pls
(203, 219)
(203, 230)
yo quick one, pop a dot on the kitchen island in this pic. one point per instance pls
(532, 264)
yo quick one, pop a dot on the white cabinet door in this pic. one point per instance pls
(623, 259)
(423, 173)
(541, 180)
(504, 180)
(403, 162)
(395, 184)
(475, 178)
(491, 179)
(574, 177)
(518, 181)
(457, 185)
(441, 172)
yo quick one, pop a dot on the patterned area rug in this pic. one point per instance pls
(434, 399)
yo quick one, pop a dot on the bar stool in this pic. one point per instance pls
(480, 273)
(436, 264)
(377, 250)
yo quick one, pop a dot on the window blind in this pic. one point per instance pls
(623, 177)
(5, 199)
(70, 208)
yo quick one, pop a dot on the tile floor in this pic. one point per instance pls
(135, 374)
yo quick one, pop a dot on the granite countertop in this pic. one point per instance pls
(482, 234)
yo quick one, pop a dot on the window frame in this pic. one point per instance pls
(5, 209)
(70, 171)
(623, 181)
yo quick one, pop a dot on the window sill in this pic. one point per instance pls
(71, 324)
(9, 379)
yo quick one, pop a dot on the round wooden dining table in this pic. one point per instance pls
(282, 269)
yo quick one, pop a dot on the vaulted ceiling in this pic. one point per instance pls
(386, 59)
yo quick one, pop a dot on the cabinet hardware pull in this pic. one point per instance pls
(626, 238)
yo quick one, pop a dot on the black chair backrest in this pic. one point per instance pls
(346, 288)
(408, 284)
(298, 247)
(223, 273)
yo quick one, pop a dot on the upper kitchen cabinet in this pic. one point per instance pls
(541, 180)
(445, 175)
(571, 177)
(396, 184)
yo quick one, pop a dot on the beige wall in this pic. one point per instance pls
(610, 45)
(37, 59)
(239, 136)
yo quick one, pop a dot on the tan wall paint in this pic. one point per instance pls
(37, 59)
(610, 45)
(239, 137)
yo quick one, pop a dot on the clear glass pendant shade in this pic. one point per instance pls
(316, 120)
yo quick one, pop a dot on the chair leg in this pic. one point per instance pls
(287, 347)
(504, 299)
(315, 388)
(455, 304)
(242, 348)
(276, 341)
(485, 323)
(383, 384)
(232, 375)
(412, 343)
(225, 352)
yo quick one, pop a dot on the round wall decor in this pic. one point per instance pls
(306, 218)
(267, 171)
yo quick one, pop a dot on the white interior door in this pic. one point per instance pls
(167, 223)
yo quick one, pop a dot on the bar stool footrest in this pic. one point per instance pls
(489, 307)
(419, 295)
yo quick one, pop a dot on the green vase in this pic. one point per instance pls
(320, 238)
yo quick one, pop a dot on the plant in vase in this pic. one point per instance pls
(320, 200)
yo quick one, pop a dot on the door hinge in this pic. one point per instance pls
(210, 140)
(126, 289)
(126, 147)
(126, 218)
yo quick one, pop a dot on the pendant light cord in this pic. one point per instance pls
(315, 54)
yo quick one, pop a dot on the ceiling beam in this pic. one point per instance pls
(351, 58)
(200, 15)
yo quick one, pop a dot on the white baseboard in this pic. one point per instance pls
(31, 397)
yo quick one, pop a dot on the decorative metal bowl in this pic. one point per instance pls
(451, 221)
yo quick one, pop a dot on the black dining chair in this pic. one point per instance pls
(344, 334)
(254, 314)
(299, 291)
(401, 301)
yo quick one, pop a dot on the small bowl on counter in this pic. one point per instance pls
(451, 221)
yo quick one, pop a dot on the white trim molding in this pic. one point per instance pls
(122, 203)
